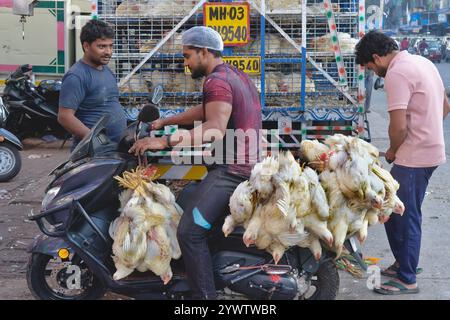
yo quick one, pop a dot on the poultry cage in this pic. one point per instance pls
(300, 53)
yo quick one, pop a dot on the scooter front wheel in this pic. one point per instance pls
(10, 161)
(51, 278)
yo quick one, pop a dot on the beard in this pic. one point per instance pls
(381, 72)
(198, 73)
(104, 60)
(100, 61)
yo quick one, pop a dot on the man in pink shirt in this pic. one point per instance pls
(417, 106)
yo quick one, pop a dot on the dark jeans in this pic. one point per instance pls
(206, 207)
(404, 232)
(368, 82)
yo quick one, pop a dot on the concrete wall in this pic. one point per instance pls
(49, 43)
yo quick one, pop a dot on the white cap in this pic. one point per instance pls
(202, 37)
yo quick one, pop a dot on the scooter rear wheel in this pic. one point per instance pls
(49, 278)
(325, 283)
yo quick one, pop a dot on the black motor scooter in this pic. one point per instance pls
(72, 260)
(33, 110)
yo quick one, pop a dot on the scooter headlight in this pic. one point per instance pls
(49, 196)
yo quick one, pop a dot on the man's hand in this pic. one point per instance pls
(149, 143)
(390, 156)
(157, 124)
(67, 119)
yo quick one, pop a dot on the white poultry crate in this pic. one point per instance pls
(148, 52)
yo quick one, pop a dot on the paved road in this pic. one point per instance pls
(20, 196)
(25, 192)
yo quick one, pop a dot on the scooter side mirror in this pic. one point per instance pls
(148, 113)
(26, 68)
(157, 94)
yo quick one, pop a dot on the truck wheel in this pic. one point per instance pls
(10, 161)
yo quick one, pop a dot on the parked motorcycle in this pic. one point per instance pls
(10, 145)
(33, 110)
(72, 260)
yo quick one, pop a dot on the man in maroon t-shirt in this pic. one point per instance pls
(404, 45)
(230, 101)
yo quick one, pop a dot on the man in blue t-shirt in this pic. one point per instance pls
(89, 89)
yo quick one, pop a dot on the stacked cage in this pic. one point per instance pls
(140, 27)
(283, 67)
(149, 52)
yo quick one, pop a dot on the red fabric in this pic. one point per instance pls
(216, 89)
(404, 44)
(233, 86)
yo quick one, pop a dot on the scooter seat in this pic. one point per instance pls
(237, 232)
(136, 275)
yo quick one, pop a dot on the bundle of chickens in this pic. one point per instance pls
(284, 204)
(145, 232)
(360, 192)
(281, 205)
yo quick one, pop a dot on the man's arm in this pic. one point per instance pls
(217, 115)
(446, 106)
(72, 94)
(185, 118)
(397, 131)
(67, 119)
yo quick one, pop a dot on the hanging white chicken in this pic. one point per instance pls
(145, 233)
(359, 191)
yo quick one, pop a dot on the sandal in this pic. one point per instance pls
(393, 269)
(401, 289)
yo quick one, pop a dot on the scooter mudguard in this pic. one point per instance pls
(11, 138)
(48, 245)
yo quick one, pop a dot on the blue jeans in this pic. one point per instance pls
(404, 232)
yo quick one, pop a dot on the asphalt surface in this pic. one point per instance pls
(24, 193)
